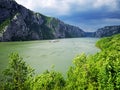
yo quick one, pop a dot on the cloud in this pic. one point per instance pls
(87, 14)
(94, 25)
(61, 7)
(110, 4)
(66, 7)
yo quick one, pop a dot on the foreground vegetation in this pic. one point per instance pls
(97, 72)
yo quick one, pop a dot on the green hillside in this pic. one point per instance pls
(100, 71)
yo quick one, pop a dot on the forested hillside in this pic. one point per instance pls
(96, 72)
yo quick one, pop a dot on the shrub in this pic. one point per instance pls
(17, 75)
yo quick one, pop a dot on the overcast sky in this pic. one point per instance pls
(86, 14)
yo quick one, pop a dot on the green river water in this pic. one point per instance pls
(42, 54)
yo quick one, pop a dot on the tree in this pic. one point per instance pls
(100, 71)
(49, 80)
(17, 75)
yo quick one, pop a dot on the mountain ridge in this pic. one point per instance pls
(21, 24)
(107, 31)
(18, 23)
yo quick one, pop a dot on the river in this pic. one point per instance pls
(43, 54)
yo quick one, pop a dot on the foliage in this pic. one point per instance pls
(48, 20)
(49, 80)
(17, 75)
(77, 79)
(111, 43)
(3, 24)
(98, 72)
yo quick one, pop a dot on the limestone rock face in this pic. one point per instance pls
(107, 31)
(18, 24)
(62, 30)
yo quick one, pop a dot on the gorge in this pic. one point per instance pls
(18, 23)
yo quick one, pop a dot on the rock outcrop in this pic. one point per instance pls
(107, 31)
(18, 24)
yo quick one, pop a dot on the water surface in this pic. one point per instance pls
(41, 55)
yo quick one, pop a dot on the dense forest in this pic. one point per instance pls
(100, 71)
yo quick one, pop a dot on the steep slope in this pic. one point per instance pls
(107, 31)
(18, 23)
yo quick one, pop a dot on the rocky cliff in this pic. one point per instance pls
(107, 31)
(18, 24)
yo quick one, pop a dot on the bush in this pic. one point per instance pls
(49, 80)
(97, 72)
(17, 75)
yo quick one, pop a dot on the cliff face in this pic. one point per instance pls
(107, 31)
(18, 23)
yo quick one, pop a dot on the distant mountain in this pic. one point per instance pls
(107, 31)
(89, 34)
(18, 23)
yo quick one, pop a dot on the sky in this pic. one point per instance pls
(89, 15)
